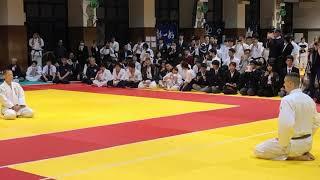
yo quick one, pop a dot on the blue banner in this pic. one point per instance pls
(168, 32)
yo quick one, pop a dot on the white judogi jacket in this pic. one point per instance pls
(298, 116)
(121, 76)
(133, 77)
(34, 71)
(104, 76)
(11, 96)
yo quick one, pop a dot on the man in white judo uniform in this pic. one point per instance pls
(12, 99)
(298, 122)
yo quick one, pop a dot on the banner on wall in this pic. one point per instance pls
(168, 32)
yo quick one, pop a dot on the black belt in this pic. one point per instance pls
(301, 137)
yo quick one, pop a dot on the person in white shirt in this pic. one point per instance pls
(232, 58)
(172, 81)
(118, 74)
(115, 46)
(303, 54)
(34, 72)
(298, 122)
(137, 48)
(146, 52)
(256, 48)
(212, 57)
(36, 44)
(13, 103)
(187, 75)
(295, 53)
(49, 72)
(106, 51)
(223, 52)
(240, 47)
(103, 77)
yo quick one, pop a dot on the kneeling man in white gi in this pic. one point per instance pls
(298, 122)
(12, 99)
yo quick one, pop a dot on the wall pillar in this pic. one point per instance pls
(234, 13)
(13, 39)
(142, 19)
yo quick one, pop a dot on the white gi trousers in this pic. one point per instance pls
(10, 114)
(271, 149)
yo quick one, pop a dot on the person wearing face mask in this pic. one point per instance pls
(82, 53)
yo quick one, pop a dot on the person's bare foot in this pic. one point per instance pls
(306, 157)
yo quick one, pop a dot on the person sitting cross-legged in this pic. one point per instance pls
(33, 72)
(103, 77)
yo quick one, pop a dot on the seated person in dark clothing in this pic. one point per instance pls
(75, 67)
(201, 82)
(287, 70)
(251, 80)
(133, 77)
(63, 73)
(16, 70)
(269, 85)
(48, 72)
(231, 79)
(215, 78)
(90, 72)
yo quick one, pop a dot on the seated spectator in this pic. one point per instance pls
(287, 70)
(91, 71)
(251, 80)
(231, 80)
(133, 77)
(212, 57)
(75, 67)
(215, 78)
(172, 81)
(18, 76)
(103, 77)
(269, 85)
(196, 68)
(187, 76)
(232, 58)
(119, 75)
(49, 72)
(201, 82)
(34, 72)
(149, 76)
(64, 72)
(245, 61)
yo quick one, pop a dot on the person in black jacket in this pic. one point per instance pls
(215, 78)
(231, 80)
(63, 72)
(269, 86)
(275, 43)
(287, 70)
(60, 51)
(95, 52)
(82, 53)
(314, 62)
(286, 51)
(201, 82)
(251, 78)
(149, 75)
(90, 72)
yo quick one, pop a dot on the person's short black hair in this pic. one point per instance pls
(213, 50)
(216, 62)
(185, 65)
(290, 57)
(233, 64)
(232, 50)
(249, 50)
(117, 64)
(204, 65)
